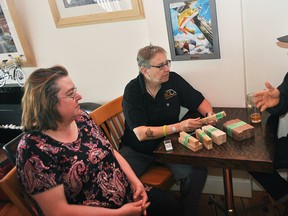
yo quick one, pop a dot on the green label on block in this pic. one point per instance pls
(186, 139)
(209, 131)
(234, 125)
(202, 135)
(219, 115)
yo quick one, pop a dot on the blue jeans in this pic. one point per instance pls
(191, 179)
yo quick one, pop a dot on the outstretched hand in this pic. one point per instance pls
(267, 98)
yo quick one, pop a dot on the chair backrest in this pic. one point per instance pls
(11, 148)
(111, 119)
(15, 192)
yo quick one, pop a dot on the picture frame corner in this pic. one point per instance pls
(17, 44)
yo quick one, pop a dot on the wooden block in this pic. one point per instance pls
(238, 129)
(191, 146)
(214, 117)
(190, 138)
(218, 136)
(204, 138)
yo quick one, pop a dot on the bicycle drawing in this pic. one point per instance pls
(12, 71)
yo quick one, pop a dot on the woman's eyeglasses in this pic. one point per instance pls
(71, 93)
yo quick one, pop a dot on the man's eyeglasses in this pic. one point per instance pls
(71, 94)
(162, 66)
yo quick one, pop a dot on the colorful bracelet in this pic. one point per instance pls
(164, 130)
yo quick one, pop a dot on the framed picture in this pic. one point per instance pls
(192, 29)
(67, 13)
(12, 38)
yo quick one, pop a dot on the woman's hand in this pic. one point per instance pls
(139, 193)
(134, 209)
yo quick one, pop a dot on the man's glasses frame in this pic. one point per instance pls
(162, 66)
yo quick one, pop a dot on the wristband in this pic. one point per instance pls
(164, 130)
(174, 129)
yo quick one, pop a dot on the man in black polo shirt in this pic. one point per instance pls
(151, 106)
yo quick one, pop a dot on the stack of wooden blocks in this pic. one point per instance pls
(189, 141)
(238, 129)
(219, 137)
(204, 138)
(209, 134)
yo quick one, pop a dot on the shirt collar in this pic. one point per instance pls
(142, 83)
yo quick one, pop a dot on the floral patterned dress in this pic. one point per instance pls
(87, 168)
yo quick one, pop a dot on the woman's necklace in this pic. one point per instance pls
(152, 93)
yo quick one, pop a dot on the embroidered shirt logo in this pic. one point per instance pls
(169, 93)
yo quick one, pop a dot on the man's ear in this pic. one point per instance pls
(143, 70)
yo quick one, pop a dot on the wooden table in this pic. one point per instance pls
(254, 154)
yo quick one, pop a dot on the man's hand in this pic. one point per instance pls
(267, 98)
(190, 124)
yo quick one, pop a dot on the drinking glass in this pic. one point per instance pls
(254, 112)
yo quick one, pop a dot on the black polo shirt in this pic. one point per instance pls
(140, 109)
(282, 107)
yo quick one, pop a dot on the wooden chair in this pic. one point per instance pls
(14, 191)
(111, 119)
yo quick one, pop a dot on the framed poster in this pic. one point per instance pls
(67, 13)
(192, 29)
(12, 38)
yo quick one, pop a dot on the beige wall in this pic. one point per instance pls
(264, 21)
(101, 58)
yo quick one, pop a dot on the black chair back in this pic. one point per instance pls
(11, 147)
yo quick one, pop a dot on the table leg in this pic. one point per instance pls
(229, 208)
(228, 191)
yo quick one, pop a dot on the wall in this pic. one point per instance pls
(220, 80)
(264, 59)
(101, 57)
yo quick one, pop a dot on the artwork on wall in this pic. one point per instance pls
(12, 38)
(67, 13)
(192, 29)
